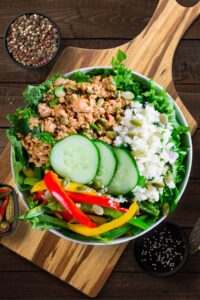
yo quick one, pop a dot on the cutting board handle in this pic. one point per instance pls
(158, 41)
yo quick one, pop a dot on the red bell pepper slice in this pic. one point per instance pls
(95, 199)
(40, 196)
(3, 208)
(55, 188)
(65, 215)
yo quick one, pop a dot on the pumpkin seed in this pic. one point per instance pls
(136, 122)
(111, 134)
(128, 95)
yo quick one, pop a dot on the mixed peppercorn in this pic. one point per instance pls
(6, 209)
(32, 40)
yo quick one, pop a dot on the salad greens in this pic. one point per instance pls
(34, 94)
(48, 215)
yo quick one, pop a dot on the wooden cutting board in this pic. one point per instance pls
(151, 53)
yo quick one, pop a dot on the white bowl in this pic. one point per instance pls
(188, 163)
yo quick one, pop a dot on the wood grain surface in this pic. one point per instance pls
(127, 280)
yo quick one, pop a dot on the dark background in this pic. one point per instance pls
(104, 24)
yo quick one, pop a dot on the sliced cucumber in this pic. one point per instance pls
(126, 175)
(75, 157)
(107, 165)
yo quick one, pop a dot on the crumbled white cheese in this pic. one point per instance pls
(148, 133)
(119, 199)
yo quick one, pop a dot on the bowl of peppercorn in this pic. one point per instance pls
(32, 40)
(9, 209)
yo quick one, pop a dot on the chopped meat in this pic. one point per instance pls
(111, 120)
(84, 104)
(37, 150)
(49, 125)
(109, 84)
(80, 105)
(33, 122)
(59, 111)
(60, 81)
(44, 110)
(61, 100)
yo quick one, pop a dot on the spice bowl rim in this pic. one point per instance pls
(10, 55)
(186, 253)
(16, 210)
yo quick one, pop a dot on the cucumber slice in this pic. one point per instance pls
(126, 175)
(107, 165)
(75, 157)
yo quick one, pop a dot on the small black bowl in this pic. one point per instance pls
(151, 261)
(10, 55)
(16, 210)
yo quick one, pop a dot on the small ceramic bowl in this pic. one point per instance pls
(163, 251)
(10, 55)
(16, 210)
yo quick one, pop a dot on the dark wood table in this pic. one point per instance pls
(104, 24)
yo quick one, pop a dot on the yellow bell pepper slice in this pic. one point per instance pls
(78, 228)
(80, 188)
(39, 186)
(72, 187)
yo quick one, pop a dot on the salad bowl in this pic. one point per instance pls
(181, 186)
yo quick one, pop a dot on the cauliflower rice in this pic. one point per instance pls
(147, 132)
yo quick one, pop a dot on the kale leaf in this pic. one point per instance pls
(123, 77)
(79, 76)
(20, 119)
(44, 137)
(34, 94)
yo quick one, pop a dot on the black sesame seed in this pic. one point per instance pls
(161, 250)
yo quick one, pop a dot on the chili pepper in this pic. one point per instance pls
(55, 188)
(4, 226)
(9, 214)
(108, 226)
(4, 191)
(95, 199)
(3, 208)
